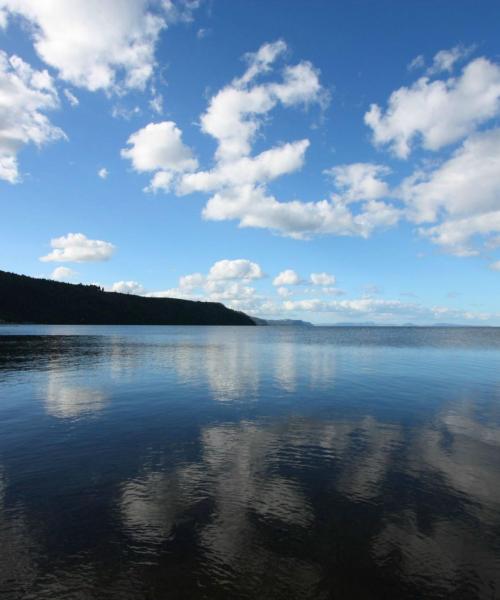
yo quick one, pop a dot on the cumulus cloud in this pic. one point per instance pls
(234, 115)
(76, 247)
(25, 94)
(264, 167)
(159, 147)
(103, 173)
(437, 113)
(381, 310)
(359, 181)
(254, 207)
(227, 281)
(235, 269)
(233, 285)
(238, 181)
(92, 44)
(322, 279)
(192, 281)
(260, 62)
(63, 274)
(463, 193)
(287, 277)
(234, 294)
(127, 287)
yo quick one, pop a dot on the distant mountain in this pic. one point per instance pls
(29, 300)
(421, 325)
(283, 322)
(355, 324)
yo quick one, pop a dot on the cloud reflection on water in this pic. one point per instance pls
(65, 400)
(242, 466)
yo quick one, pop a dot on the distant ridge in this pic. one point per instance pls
(282, 322)
(26, 299)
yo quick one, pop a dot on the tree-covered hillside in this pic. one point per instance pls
(28, 300)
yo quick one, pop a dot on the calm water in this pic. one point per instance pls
(268, 463)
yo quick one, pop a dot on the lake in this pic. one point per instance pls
(239, 462)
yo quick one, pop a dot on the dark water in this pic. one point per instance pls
(171, 462)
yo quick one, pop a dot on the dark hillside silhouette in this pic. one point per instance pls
(29, 300)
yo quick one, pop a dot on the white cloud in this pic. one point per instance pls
(382, 311)
(93, 44)
(227, 281)
(103, 173)
(359, 181)
(495, 266)
(63, 274)
(437, 113)
(287, 277)
(127, 287)
(284, 292)
(76, 247)
(159, 147)
(238, 181)
(229, 290)
(173, 293)
(235, 113)
(24, 94)
(71, 98)
(253, 207)
(260, 62)
(232, 286)
(463, 193)
(322, 279)
(266, 166)
(234, 294)
(454, 235)
(235, 269)
(192, 281)
(119, 111)
(467, 183)
(162, 180)
(445, 60)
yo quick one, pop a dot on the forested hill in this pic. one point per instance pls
(28, 300)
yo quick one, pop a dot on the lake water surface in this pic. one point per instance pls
(239, 462)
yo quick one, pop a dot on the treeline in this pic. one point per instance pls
(29, 300)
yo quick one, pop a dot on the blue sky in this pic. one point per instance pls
(332, 161)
